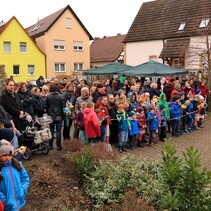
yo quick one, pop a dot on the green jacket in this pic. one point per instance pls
(165, 103)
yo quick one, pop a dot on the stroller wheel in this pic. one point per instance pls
(27, 154)
(45, 148)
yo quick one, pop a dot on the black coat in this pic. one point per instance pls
(39, 106)
(13, 106)
(27, 101)
(55, 105)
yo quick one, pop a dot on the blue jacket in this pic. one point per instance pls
(175, 111)
(123, 120)
(13, 188)
(134, 127)
(153, 122)
(190, 111)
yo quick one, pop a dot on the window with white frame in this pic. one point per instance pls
(23, 47)
(16, 70)
(178, 63)
(59, 45)
(153, 57)
(77, 45)
(182, 26)
(68, 23)
(30, 69)
(7, 47)
(78, 66)
(60, 67)
(204, 22)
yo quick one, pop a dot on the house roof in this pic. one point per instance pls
(161, 19)
(5, 25)
(43, 25)
(107, 49)
(175, 48)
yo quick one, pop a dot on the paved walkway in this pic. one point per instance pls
(199, 139)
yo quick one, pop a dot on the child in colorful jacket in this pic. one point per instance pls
(14, 180)
(163, 124)
(91, 123)
(134, 131)
(153, 121)
(175, 115)
(123, 125)
(80, 124)
(142, 123)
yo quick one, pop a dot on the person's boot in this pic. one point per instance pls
(123, 149)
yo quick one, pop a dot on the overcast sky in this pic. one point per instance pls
(100, 17)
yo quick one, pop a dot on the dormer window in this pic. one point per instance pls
(204, 22)
(36, 28)
(182, 26)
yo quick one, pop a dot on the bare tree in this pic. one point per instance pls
(2, 77)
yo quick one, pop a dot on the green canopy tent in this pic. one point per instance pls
(109, 69)
(153, 68)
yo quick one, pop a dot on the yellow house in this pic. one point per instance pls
(65, 42)
(19, 55)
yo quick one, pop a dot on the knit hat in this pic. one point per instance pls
(162, 106)
(6, 133)
(6, 147)
(198, 91)
(132, 113)
(140, 109)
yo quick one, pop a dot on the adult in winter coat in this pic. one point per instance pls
(176, 90)
(39, 104)
(12, 104)
(26, 98)
(204, 90)
(169, 86)
(54, 107)
(84, 98)
(91, 123)
(154, 91)
(100, 92)
(68, 97)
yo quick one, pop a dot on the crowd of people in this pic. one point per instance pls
(138, 111)
(118, 111)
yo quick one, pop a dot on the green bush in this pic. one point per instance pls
(84, 163)
(108, 183)
(183, 185)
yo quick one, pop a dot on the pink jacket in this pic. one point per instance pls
(91, 123)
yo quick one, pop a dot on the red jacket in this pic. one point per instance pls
(204, 91)
(91, 123)
(174, 92)
(142, 122)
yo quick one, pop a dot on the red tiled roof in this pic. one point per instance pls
(107, 49)
(161, 19)
(46, 23)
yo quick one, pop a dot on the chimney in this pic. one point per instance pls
(2, 23)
